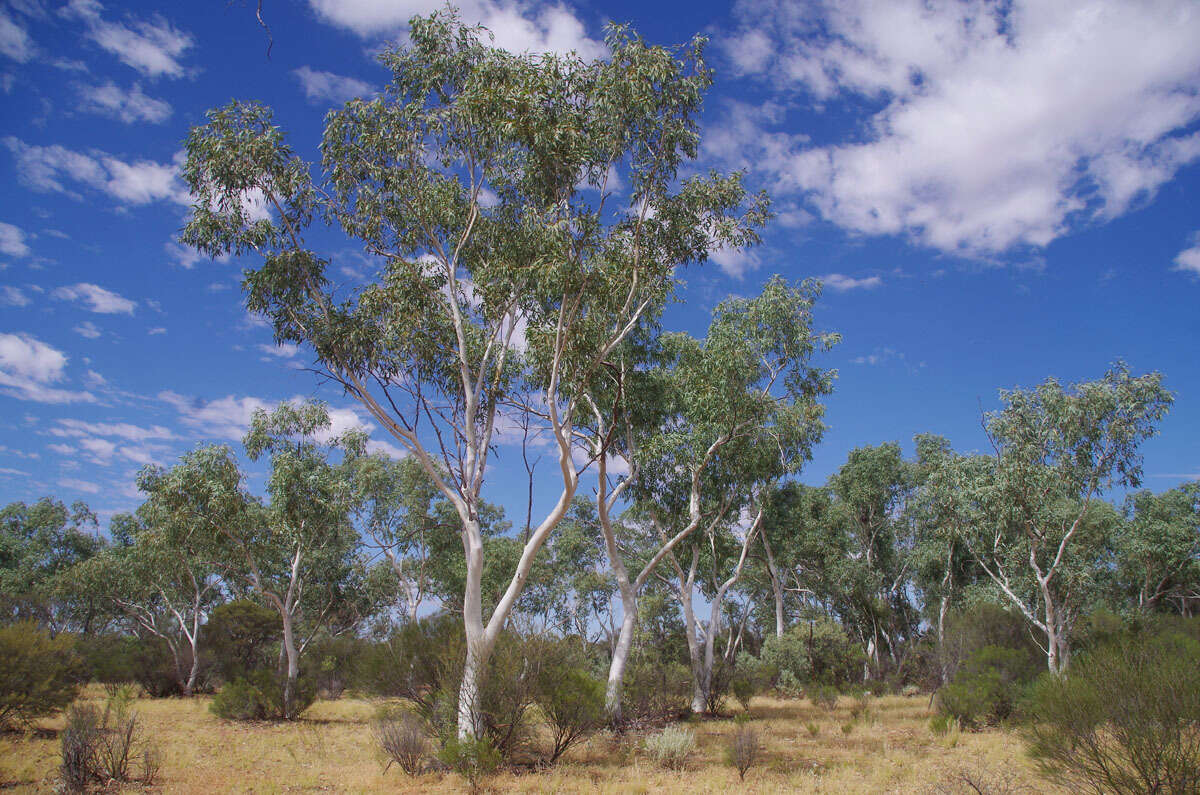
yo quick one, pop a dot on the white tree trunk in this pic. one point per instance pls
(616, 669)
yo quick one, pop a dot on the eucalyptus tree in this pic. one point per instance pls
(797, 540)
(480, 181)
(1156, 554)
(1031, 513)
(39, 543)
(159, 577)
(741, 408)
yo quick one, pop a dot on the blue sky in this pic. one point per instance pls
(993, 192)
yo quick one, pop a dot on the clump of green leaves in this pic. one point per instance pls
(1126, 719)
(474, 760)
(988, 687)
(39, 674)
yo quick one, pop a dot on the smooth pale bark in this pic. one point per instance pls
(714, 623)
(776, 586)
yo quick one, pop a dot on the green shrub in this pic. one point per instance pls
(241, 637)
(813, 729)
(259, 696)
(39, 675)
(824, 696)
(941, 723)
(743, 688)
(1126, 719)
(572, 702)
(788, 685)
(102, 749)
(988, 686)
(814, 652)
(655, 688)
(671, 747)
(474, 760)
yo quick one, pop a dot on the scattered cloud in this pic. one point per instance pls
(1188, 260)
(48, 168)
(29, 366)
(13, 296)
(517, 26)
(14, 39)
(12, 240)
(76, 484)
(224, 418)
(841, 283)
(153, 47)
(96, 299)
(997, 126)
(10, 472)
(156, 330)
(88, 329)
(284, 350)
(736, 262)
(124, 105)
(328, 87)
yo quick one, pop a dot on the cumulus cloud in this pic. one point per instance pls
(153, 47)
(517, 26)
(71, 427)
(994, 125)
(129, 106)
(839, 282)
(328, 87)
(96, 299)
(88, 329)
(12, 240)
(736, 262)
(29, 366)
(1188, 260)
(49, 168)
(14, 40)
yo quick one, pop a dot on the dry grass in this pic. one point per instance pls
(332, 749)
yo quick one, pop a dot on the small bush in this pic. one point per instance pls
(1125, 720)
(813, 729)
(910, 691)
(788, 685)
(99, 749)
(988, 686)
(39, 675)
(403, 740)
(671, 747)
(847, 727)
(815, 652)
(572, 702)
(742, 749)
(861, 709)
(743, 688)
(474, 760)
(941, 724)
(824, 696)
(259, 697)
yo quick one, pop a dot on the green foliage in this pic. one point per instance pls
(655, 688)
(259, 696)
(744, 688)
(671, 747)
(572, 702)
(1125, 719)
(241, 637)
(473, 759)
(988, 687)
(824, 696)
(39, 674)
(813, 653)
(941, 724)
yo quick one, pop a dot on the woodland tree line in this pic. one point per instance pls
(517, 313)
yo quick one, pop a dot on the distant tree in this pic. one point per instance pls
(1031, 513)
(480, 181)
(38, 543)
(158, 577)
(1156, 554)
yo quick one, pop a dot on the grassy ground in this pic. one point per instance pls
(331, 749)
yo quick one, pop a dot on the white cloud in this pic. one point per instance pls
(841, 283)
(1000, 124)
(121, 430)
(1188, 260)
(152, 47)
(61, 449)
(285, 350)
(736, 262)
(96, 299)
(79, 485)
(327, 87)
(14, 40)
(128, 106)
(27, 368)
(12, 296)
(88, 329)
(47, 168)
(224, 418)
(13, 472)
(153, 332)
(517, 26)
(12, 240)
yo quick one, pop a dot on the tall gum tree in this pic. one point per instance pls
(481, 182)
(1032, 513)
(705, 430)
